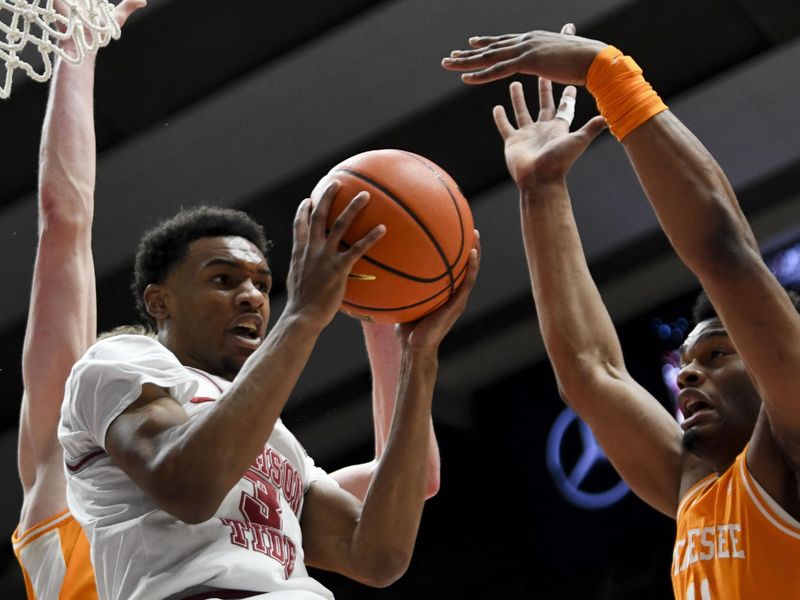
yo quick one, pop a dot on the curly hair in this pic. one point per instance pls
(165, 245)
(703, 310)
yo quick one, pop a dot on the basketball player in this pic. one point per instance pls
(48, 542)
(179, 467)
(728, 473)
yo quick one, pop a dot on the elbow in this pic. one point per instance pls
(189, 499)
(190, 506)
(59, 210)
(586, 381)
(432, 485)
(384, 568)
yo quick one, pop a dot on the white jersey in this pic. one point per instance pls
(139, 551)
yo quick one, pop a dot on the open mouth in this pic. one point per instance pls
(694, 406)
(247, 331)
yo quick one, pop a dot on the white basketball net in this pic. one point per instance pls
(34, 26)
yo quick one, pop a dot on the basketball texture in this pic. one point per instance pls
(422, 259)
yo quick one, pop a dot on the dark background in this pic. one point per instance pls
(248, 103)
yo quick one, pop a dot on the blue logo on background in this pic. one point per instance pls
(570, 479)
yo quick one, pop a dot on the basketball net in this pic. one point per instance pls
(30, 32)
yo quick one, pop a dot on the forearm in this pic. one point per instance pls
(62, 318)
(577, 329)
(392, 510)
(690, 194)
(178, 468)
(67, 154)
(384, 352)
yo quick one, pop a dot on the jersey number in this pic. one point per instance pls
(264, 506)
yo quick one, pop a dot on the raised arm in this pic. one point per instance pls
(373, 542)
(62, 316)
(637, 434)
(385, 356)
(694, 203)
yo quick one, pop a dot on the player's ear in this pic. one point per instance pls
(155, 301)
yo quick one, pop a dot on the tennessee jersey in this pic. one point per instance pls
(54, 556)
(734, 542)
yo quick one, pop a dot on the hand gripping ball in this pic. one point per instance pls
(422, 259)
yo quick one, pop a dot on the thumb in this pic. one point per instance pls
(591, 129)
(580, 140)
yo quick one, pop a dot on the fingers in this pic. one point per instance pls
(487, 64)
(301, 224)
(504, 126)
(345, 219)
(362, 246)
(319, 215)
(547, 107)
(126, 8)
(592, 129)
(459, 298)
(495, 72)
(521, 113)
(566, 108)
(481, 41)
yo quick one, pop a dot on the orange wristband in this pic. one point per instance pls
(623, 96)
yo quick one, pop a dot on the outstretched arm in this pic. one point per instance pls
(373, 542)
(698, 211)
(385, 355)
(640, 438)
(62, 316)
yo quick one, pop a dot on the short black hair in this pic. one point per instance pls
(703, 310)
(163, 246)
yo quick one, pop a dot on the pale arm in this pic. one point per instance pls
(62, 317)
(384, 351)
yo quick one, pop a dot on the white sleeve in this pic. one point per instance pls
(107, 380)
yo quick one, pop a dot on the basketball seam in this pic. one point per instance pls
(394, 308)
(438, 176)
(425, 230)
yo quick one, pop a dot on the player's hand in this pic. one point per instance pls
(560, 57)
(126, 8)
(427, 333)
(543, 150)
(319, 270)
(122, 12)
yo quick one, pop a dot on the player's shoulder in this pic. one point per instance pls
(124, 346)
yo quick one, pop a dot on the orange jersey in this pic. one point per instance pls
(54, 556)
(734, 542)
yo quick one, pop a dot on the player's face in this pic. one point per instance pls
(218, 304)
(718, 400)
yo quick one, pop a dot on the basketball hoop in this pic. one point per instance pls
(31, 32)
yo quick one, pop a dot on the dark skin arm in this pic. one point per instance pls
(166, 455)
(700, 214)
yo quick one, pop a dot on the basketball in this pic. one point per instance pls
(422, 259)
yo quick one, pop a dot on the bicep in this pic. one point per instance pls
(60, 327)
(135, 439)
(329, 520)
(764, 326)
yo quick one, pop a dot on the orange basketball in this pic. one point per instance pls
(422, 259)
